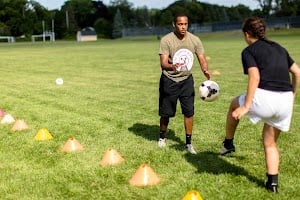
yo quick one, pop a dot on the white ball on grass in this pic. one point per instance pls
(59, 81)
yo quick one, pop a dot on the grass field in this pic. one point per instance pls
(109, 99)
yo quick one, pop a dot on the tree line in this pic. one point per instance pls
(23, 18)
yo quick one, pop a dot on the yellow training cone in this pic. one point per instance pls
(192, 195)
(215, 72)
(7, 119)
(72, 145)
(43, 134)
(144, 176)
(111, 157)
(19, 125)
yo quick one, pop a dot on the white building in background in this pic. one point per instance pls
(87, 34)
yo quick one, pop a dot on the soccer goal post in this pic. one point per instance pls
(44, 36)
(9, 39)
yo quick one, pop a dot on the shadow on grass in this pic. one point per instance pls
(151, 132)
(207, 161)
(214, 163)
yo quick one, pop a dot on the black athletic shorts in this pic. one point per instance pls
(170, 91)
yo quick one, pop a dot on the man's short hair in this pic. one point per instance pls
(178, 15)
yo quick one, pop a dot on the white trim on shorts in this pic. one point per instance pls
(273, 108)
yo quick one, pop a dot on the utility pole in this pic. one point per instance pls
(43, 24)
(67, 20)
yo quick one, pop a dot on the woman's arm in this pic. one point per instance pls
(253, 81)
(295, 71)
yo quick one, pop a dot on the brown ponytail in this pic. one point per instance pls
(255, 27)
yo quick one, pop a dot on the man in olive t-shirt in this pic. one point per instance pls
(177, 50)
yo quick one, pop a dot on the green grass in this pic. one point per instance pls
(109, 99)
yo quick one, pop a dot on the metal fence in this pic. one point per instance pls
(276, 23)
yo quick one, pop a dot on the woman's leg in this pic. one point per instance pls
(270, 136)
(231, 125)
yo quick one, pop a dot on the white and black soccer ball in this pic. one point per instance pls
(209, 90)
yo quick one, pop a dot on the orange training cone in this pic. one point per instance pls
(43, 134)
(72, 145)
(2, 113)
(111, 157)
(192, 195)
(144, 176)
(7, 119)
(19, 125)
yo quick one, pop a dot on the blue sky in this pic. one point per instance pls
(253, 4)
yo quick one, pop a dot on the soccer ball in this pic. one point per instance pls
(59, 81)
(209, 90)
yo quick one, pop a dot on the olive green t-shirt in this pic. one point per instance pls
(170, 44)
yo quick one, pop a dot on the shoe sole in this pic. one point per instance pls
(227, 151)
(192, 152)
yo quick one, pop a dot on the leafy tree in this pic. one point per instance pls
(77, 14)
(12, 15)
(4, 29)
(37, 14)
(19, 17)
(117, 25)
(224, 15)
(102, 20)
(83, 11)
(154, 16)
(125, 8)
(193, 9)
(279, 8)
(297, 5)
(203, 12)
(212, 13)
(103, 28)
(233, 13)
(142, 17)
(288, 8)
(266, 6)
(101, 11)
(238, 12)
(166, 18)
(68, 23)
(60, 23)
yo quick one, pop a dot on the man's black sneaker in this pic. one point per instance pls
(273, 187)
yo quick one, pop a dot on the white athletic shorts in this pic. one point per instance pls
(272, 108)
